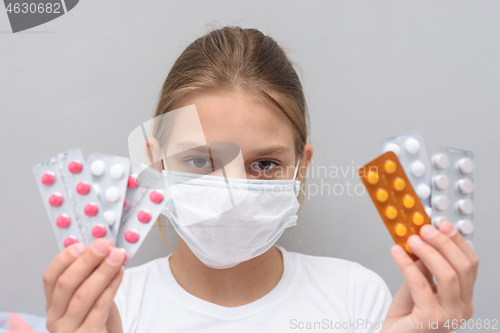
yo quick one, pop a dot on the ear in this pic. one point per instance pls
(305, 161)
(154, 154)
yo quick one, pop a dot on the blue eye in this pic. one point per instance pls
(200, 163)
(264, 165)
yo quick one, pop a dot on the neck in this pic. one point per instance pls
(229, 287)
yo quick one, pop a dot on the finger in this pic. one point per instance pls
(402, 303)
(427, 274)
(62, 261)
(114, 323)
(98, 316)
(421, 266)
(90, 290)
(448, 229)
(420, 288)
(75, 274)
(454, 255)
(447, 280)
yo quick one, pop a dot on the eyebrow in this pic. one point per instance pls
(197, 146)
(191, 145)
(271, 150)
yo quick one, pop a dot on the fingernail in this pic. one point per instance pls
(428, 230)
(77, 249)
(447, 228)
(100, 247)
(114, 257)
(415, 240)
(398, 250)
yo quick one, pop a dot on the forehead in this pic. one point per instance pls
(243, 119)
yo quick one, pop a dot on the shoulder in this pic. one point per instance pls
(334, 267)
(135, 279)
(357, 279)
(363, 293)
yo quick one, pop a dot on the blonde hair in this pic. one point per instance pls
(232, 58)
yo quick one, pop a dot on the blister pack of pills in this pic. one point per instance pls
(71, 203)
(109, 175)
(144, 203)
(410, 149)
(394, 197)
(452, 189)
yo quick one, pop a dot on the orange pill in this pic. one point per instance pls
(390, 166)
(372, 177)
(394, 197)
(400, 229)
(391, 212)
(418, 218)
(408, 201)
(399, 184)
(382, 195)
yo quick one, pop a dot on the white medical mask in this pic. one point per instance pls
(226, 221)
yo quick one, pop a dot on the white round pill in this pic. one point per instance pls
(440, 202)
(428, 211)
(464, 206)
(97, 188)
(441, 161)
(417, 168)
(112, 194)
(441, 182)
(412, 145)
(110, 217)
(423, 191)
(470, 244)
(438, 220)
(465, 227)
(465, 165)
(117, 171)
(396, 149)
(97, 167)
(465, 186)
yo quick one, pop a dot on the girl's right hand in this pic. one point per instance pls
(80, 285)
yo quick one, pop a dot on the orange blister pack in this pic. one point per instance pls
(394, 197)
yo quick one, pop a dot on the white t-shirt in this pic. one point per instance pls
(315, 294)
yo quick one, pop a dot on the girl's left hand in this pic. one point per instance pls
(445, 255)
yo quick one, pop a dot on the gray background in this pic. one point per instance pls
(370, 69)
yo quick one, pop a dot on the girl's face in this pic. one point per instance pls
(236, 119)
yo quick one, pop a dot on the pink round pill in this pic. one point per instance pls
(144, 216)
(132, 181)
(70, 240)
(83, 188)
(156, 196)
(131, 236)
(98, 231)
(63, 221)
(75, 166)
(56, 199)
(91, 209)
(48, 178)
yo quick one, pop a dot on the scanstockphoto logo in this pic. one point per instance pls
(27, 14)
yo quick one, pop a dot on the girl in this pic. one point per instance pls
(246, 92)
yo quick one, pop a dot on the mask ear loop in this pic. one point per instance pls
(295, 176)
